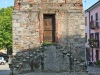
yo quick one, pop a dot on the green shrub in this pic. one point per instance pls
(91, 40)
(97, 62)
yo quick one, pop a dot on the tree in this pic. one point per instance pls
(6, 28)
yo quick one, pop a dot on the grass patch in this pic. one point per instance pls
(48, 43)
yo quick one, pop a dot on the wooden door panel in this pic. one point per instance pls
(48, 24)
(48, 28)
(48, 36)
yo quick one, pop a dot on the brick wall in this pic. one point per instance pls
(20, 3)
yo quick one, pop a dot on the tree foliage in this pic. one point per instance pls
(6, 28)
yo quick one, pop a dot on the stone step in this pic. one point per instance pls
(62, 73)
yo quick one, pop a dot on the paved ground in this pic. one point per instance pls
(93, 70)
(4, 69)
(64, 73)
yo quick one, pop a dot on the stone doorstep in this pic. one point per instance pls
(51, 73)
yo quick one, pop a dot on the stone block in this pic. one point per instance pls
(16, 17)
(16, 25)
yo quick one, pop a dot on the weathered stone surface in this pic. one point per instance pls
(53, 58)
(28, 22)
(54, 61)
(28, 29)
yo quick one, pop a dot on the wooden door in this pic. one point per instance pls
(49, 28)
(97, 54)
(88, 54)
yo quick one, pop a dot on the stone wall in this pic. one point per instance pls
(28, 23)
(25, 31)
(48, 59)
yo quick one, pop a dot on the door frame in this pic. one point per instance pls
(53, 26)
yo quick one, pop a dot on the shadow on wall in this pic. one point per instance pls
(74, 42)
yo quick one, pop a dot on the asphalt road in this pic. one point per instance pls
(4, 69)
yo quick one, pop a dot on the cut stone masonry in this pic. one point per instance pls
(28, 22)
(31, 17)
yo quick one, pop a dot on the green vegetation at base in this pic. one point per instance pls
(98, 62)
(48, 43)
